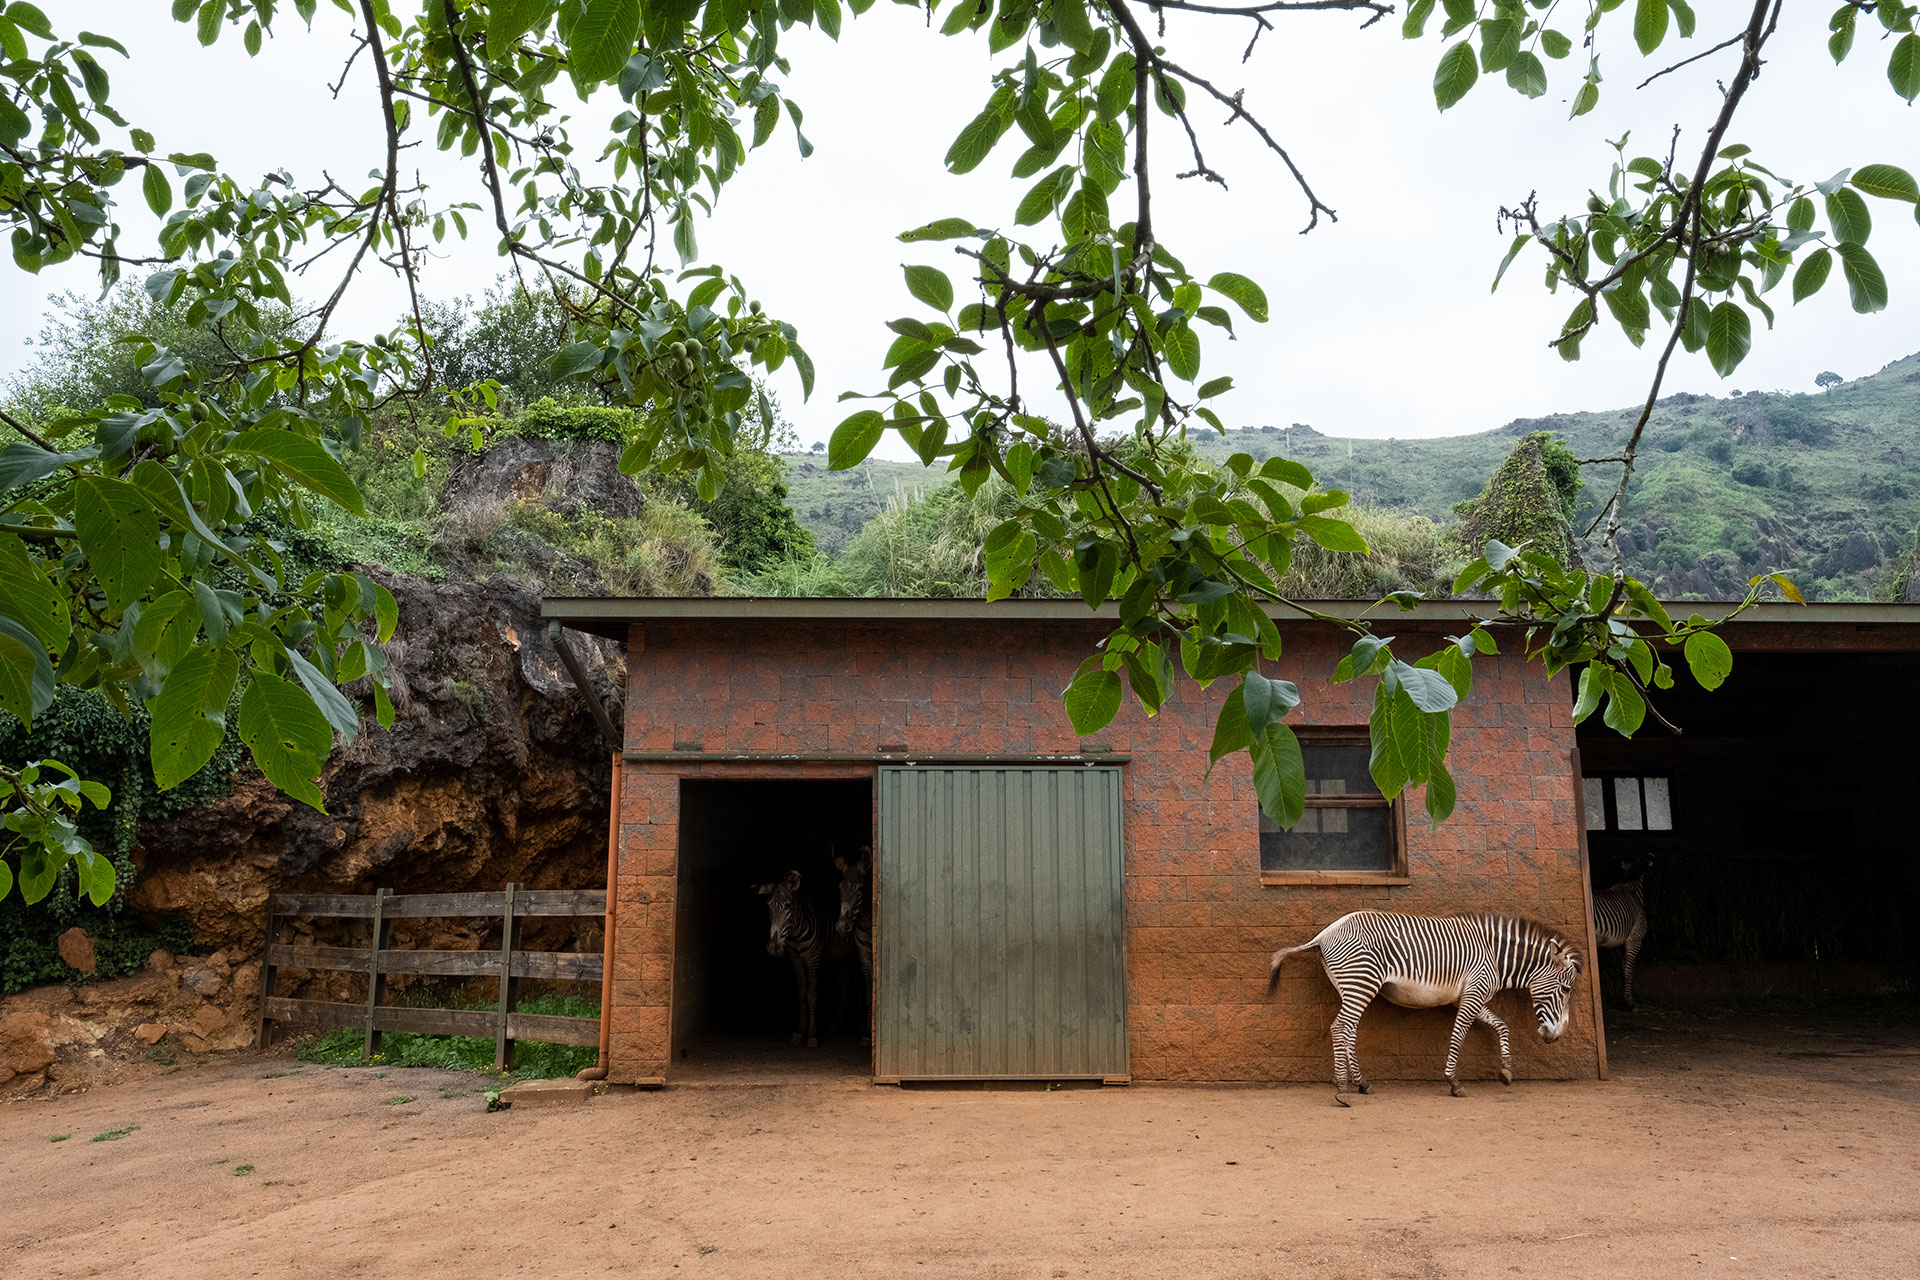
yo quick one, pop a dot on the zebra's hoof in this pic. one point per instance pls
(1454, 1085)
(1363, 1086)
(1506, 1075)
(812, 1043)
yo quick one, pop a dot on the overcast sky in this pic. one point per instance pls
(1383, 322)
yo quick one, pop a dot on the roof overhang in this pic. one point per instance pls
(1778, 627)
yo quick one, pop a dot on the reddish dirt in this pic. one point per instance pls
(1733, 1146)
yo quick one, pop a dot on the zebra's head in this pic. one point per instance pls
(853, 889)
(783, 914)
(1552, 987)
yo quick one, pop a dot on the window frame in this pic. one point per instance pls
(1609, 805)
(1343, 736)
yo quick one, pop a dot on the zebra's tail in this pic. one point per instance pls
(1273, 973)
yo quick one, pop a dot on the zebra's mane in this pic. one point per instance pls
(1535, 932)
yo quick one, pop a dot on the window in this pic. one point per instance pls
(1350, 834)
(1624, 802)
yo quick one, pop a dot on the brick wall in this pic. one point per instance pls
(1200, 925)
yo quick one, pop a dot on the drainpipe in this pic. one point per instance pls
(580, 682)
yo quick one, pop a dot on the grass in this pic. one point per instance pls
(59, 1137)
(114, 1135)
(400, 1100)
(242, 1170)
(532, 1061)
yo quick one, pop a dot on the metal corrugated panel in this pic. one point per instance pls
(1000, 924)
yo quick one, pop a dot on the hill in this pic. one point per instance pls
(1821, 486)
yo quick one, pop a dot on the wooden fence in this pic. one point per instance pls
(377, 960)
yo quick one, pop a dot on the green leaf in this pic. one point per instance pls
(1181, 346)
(1265, 701)
(1334, 535)
(1458, 70)
(1044, 196)
(1429, 689)
(1279, 775)
(1244, 293)
(854, 439)
(1889, 182)
(1709, 658)
(1626, 708)
(602, 39)
(190, 715)
(1865, 282)
(1527, 75)
(1649, 24)
(975, 141)
(386, 613)
(1811, 274)
(26, 674)
(211, 14)
(1230, 730)
(1093, 699)
(1556, 45)
(156, 188)
(289, 738)
(508, 20)
(931, 286)
(28, 598)
(576, 359)
(1097, 564)
(1070, 25)
(944, 229)
(1903, 66)
(121, 536)
(303, 461)
(334, 705)
(1729, 337)
(1847, 211)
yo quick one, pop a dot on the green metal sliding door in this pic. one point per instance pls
(1000, 926)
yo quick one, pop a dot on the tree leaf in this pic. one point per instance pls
(854, 439)
(121, 536)
(1865, 281)
(1649, 24)
(1458, 70)
(508, 20)
(943, 229)
(1334, 535)
(1729, 337)
(1903, 65)
(156, 188)
(1181, 346)
(1279, 775)
(190, 715)
(1244, 293)
(1847, 211)
(1889, 182)
(28, 598)
(1430, 690)
(304, 462)
(26, 675)
(1230, 730)
(1527, 75)
(1093, 699)
(289, 738)
(975, 141)
(602, 39)
(1811, 274)
(931, 286)
(1709, 658)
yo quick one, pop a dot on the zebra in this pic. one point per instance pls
(1421, 962)
(794, 932)
(856, 916)
(1620, 920)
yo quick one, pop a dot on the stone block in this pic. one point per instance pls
(546, 1093)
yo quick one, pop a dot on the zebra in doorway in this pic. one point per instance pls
(1420, 962)
(1620, 920)
(855, 922)
(793, 931)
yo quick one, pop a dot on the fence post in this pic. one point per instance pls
(266, 973)
(376, 982)
(502, 1046)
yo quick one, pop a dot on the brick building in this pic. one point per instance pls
(1128, 938)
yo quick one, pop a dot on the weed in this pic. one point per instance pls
(242, 1170)
(114, 1135)
(59, 1137)
(400, 1100)
(706, 1249)
(493, 1101)
(223, 1159)
(161, 1055)
(341, 1047)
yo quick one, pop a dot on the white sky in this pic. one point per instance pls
(1383, 324)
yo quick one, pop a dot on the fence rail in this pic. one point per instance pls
(376, 960)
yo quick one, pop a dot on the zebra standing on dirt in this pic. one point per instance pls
(1620, 920)
(856, 918)
(1422, 962)
(794, 932)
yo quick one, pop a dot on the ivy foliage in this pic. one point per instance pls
(1068, 357)
(1529, 499)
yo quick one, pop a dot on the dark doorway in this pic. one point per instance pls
(733, 1004)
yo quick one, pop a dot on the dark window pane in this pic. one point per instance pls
(1337, 770)
(1331, 840)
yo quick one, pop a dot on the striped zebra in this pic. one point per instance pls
(1620, 920)
(1420, 962)
(793, 931)
(856, 918)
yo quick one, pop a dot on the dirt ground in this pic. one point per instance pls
(1748, 1143)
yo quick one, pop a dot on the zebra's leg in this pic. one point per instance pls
(802, 1007)
(1631, 954)
(1472, 1006)
(1346, 1025)
(1492, 1019)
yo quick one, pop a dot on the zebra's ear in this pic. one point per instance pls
(793, 879)
(839, 863)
